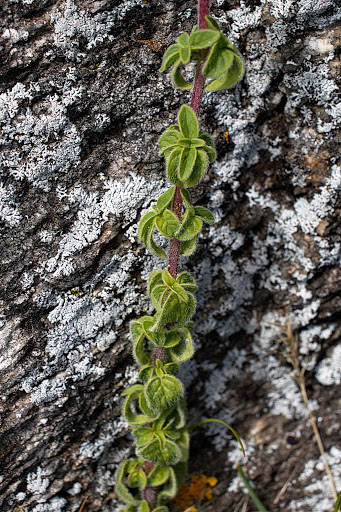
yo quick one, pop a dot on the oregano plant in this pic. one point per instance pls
(154, 407)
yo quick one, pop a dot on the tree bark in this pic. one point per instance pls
(82, 105)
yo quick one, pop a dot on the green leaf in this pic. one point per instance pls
(160, 509)
(172, 339)
(161, 392)
(185, 54)
(144, 225)
(338, 502)
(183, 39)
(181, 293)
(211, 153)
(170, 454)
(129, 414)
(144, 507)
(203, 38)
(145, 407)
(187, 281)
(170, 56)
(172, 166)
(218, 61)
(167, 278)
(230, 78)
(186, 164)
(204, 214)
(167, 224)
(137, 478)
(133, 390)
(168, 139)
(121, 489)
(188, 246)
(155, 249)
(146, 373)
(207, 139)
(185, 349)
(189, 228)
(171, 368)
(211, 22)
(158, 476)
(199, 169)
(143, 435)
(170, 490)
(154, 279)
(188, 122)
(178, 79)
(165, 199)
(139, 351)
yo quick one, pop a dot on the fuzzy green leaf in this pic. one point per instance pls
(199, 169)
(204, 214)
(165, 199)
(161, 392)
(154, 279)
(168, 139)
(145, 223)
(144, 507)
(185, 349)
(188, 122)
(129, 414)
(211, 153)
(145, 373)
(170, 490)
(158, 476)
(218, 61)
(178, 79)
(230, 78)
(121, 489)
(153, 248)
(203, 38)
(170, 454)
(187, 281)
(170, 56)
(139, 351)
(211, 22)
(167, 278)
(137, 478)
(188, 246)
(143, 435)
(172, 339)
(185, 54)
(181, 293)
(173, 165)
(183, 39)
(167, 224)
(171, 368)
(145, 407)
(186, 164)
(189, 228)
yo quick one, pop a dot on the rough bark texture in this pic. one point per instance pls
(82, 107)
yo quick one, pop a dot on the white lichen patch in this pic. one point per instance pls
(72, 23)
(9, 207)
(317, 491)
(39, 144)
(329, 370)
(36, 483)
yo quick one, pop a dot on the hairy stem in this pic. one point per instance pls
(198, 89)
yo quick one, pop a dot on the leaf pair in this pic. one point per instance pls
(224, 63)
(162, 390)
(131, 473)
(165, 221)
(173, 299)
(186, 149)
(179, 54)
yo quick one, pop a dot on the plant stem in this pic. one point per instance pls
(253, 495)
(198, 89)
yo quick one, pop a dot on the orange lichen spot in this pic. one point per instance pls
(226, 135)
(192, 493)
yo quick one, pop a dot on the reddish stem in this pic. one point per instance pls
(198, 89)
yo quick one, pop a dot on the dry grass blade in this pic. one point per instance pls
(290, 340)
(83, 504)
